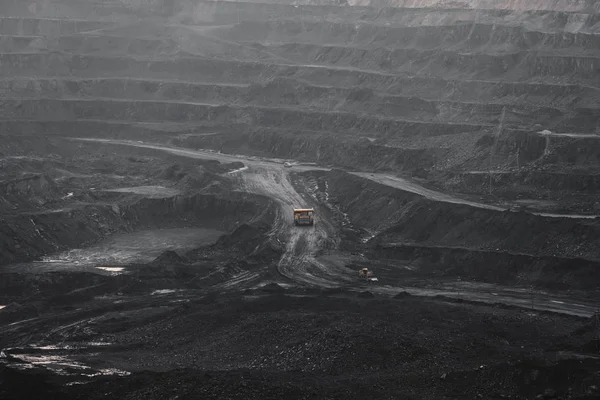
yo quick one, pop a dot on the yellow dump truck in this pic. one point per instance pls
(304, 216)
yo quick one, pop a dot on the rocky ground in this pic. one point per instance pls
(276, 343)
(148, 246)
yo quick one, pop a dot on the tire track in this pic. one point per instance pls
(301, 243)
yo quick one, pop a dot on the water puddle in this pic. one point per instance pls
(60, 365)
(267, 283)
(156, 192)
(111, 254)
(164, 291)
(54, 359)
(238, 170)
(50, 347)
(109, 371)
(111, 269)
(76, 383)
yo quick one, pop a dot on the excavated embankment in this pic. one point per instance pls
(352, 153)
(437, 238)
(561, 168)
(499, 267)
(29, 236)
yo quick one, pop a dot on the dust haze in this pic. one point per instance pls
(268, 199)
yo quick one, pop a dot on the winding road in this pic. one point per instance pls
(300, 262)
(270, 178)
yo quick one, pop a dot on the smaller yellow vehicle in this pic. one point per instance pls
(366, 274)
(304, 216)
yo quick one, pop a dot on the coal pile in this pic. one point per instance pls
(152, 154)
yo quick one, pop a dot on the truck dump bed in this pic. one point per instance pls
(304, 216)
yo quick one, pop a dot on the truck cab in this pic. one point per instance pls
(304, 216)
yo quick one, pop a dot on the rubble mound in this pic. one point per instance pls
(272, 288)
(169, 257)
(311, 340)
(365, 295)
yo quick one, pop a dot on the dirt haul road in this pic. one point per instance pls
(300, 262)
(403, 184)
(302, 244)
(384, 179)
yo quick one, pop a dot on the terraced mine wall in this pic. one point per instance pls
(459, 108)
(514, 66)
(60, 110)
(582, 152)
(555, 181)
(93, 128)
(310, 147)
(47, 27)
(407, 88)
(520, 5)
(91, 10)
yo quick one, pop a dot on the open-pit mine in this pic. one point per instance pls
(299, 199)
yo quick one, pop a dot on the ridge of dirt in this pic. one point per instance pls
(295, 95)
(520, 5)
(401, 87)
(151, 110)
(557, 70)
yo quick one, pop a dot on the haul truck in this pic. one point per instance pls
(304, 216)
